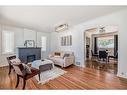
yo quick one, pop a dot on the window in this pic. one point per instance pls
(43, 43)
(7, 42)
(106, 42)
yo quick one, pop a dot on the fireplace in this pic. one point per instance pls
(28, 54)
(31, 58)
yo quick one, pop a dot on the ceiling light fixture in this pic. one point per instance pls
(61, 27)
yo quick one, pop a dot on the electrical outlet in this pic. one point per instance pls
(122, 73)
(78, 63)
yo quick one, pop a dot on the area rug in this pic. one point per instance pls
(46, 76)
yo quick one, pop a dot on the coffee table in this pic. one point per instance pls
(43, 65)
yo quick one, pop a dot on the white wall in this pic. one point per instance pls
(54, 41)
(21, 35)
(29, 34)
(116, 19)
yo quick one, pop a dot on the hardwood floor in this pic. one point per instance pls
(110, 67)
(75, 78)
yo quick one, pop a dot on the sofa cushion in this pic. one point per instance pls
(58, 60)
(57, 56)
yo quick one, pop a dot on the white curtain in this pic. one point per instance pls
(7, 42)
(43, 43)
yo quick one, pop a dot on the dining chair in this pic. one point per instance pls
(94, 55)
(103, 59)
(114, 57)
(103, 55)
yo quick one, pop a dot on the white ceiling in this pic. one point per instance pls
(45, 18)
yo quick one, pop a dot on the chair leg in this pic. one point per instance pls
(17, 81)
(108, 59)
(39, 76)
(9, 70)
(24, 83)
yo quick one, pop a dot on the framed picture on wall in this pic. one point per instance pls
(66, 40)
(30, 43)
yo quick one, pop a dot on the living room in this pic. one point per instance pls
(61, 37)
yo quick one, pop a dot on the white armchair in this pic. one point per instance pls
(62, 58)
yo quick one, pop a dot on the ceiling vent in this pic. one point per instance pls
(61, 27)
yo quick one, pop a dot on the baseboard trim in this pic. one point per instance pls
(122, 76)
(4, 65)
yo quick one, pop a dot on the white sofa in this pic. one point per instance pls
(62, 58)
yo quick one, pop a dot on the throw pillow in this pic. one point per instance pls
(66, 55)
(15, 61)
(27, 68)
(19, 68)
(57, 53)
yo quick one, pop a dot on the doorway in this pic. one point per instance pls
(101, 39)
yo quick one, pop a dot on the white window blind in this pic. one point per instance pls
(43, 43)
(7, 42)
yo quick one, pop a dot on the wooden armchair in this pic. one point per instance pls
(20, 71)
(9, 62)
